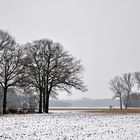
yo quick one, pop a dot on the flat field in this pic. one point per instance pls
(71, 126)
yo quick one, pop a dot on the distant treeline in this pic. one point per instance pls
(30, 102)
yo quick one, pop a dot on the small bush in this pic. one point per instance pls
(11, 110)
(31, 110)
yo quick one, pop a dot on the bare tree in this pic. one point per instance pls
(50, 69)
(137, 78)
(10, 64)
(127, 85)
(116, 87)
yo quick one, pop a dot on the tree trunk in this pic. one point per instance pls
(40, 101)
(120, 102)
(126, 106)
(44, 101)
(5, 101)
(127, 100)
(47, 103)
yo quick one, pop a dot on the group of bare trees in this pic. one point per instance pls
(123, 86)
(42, 66)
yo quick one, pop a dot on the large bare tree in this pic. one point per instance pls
(127, 85)
(50, 69)
(116, 87)
(10, 64)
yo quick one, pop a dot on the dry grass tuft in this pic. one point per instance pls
(97, 110)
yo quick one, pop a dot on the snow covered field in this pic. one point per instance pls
(70, 126)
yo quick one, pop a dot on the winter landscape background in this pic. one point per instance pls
(69, 70)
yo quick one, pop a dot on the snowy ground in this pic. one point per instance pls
(70, 126)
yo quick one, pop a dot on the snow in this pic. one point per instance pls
(70, 126)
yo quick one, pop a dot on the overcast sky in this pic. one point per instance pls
(104, 34)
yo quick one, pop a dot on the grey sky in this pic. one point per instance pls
(104, 34)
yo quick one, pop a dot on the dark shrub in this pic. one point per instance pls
(12, 111)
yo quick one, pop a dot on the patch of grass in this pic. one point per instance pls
(113, 110)
(97, 110)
